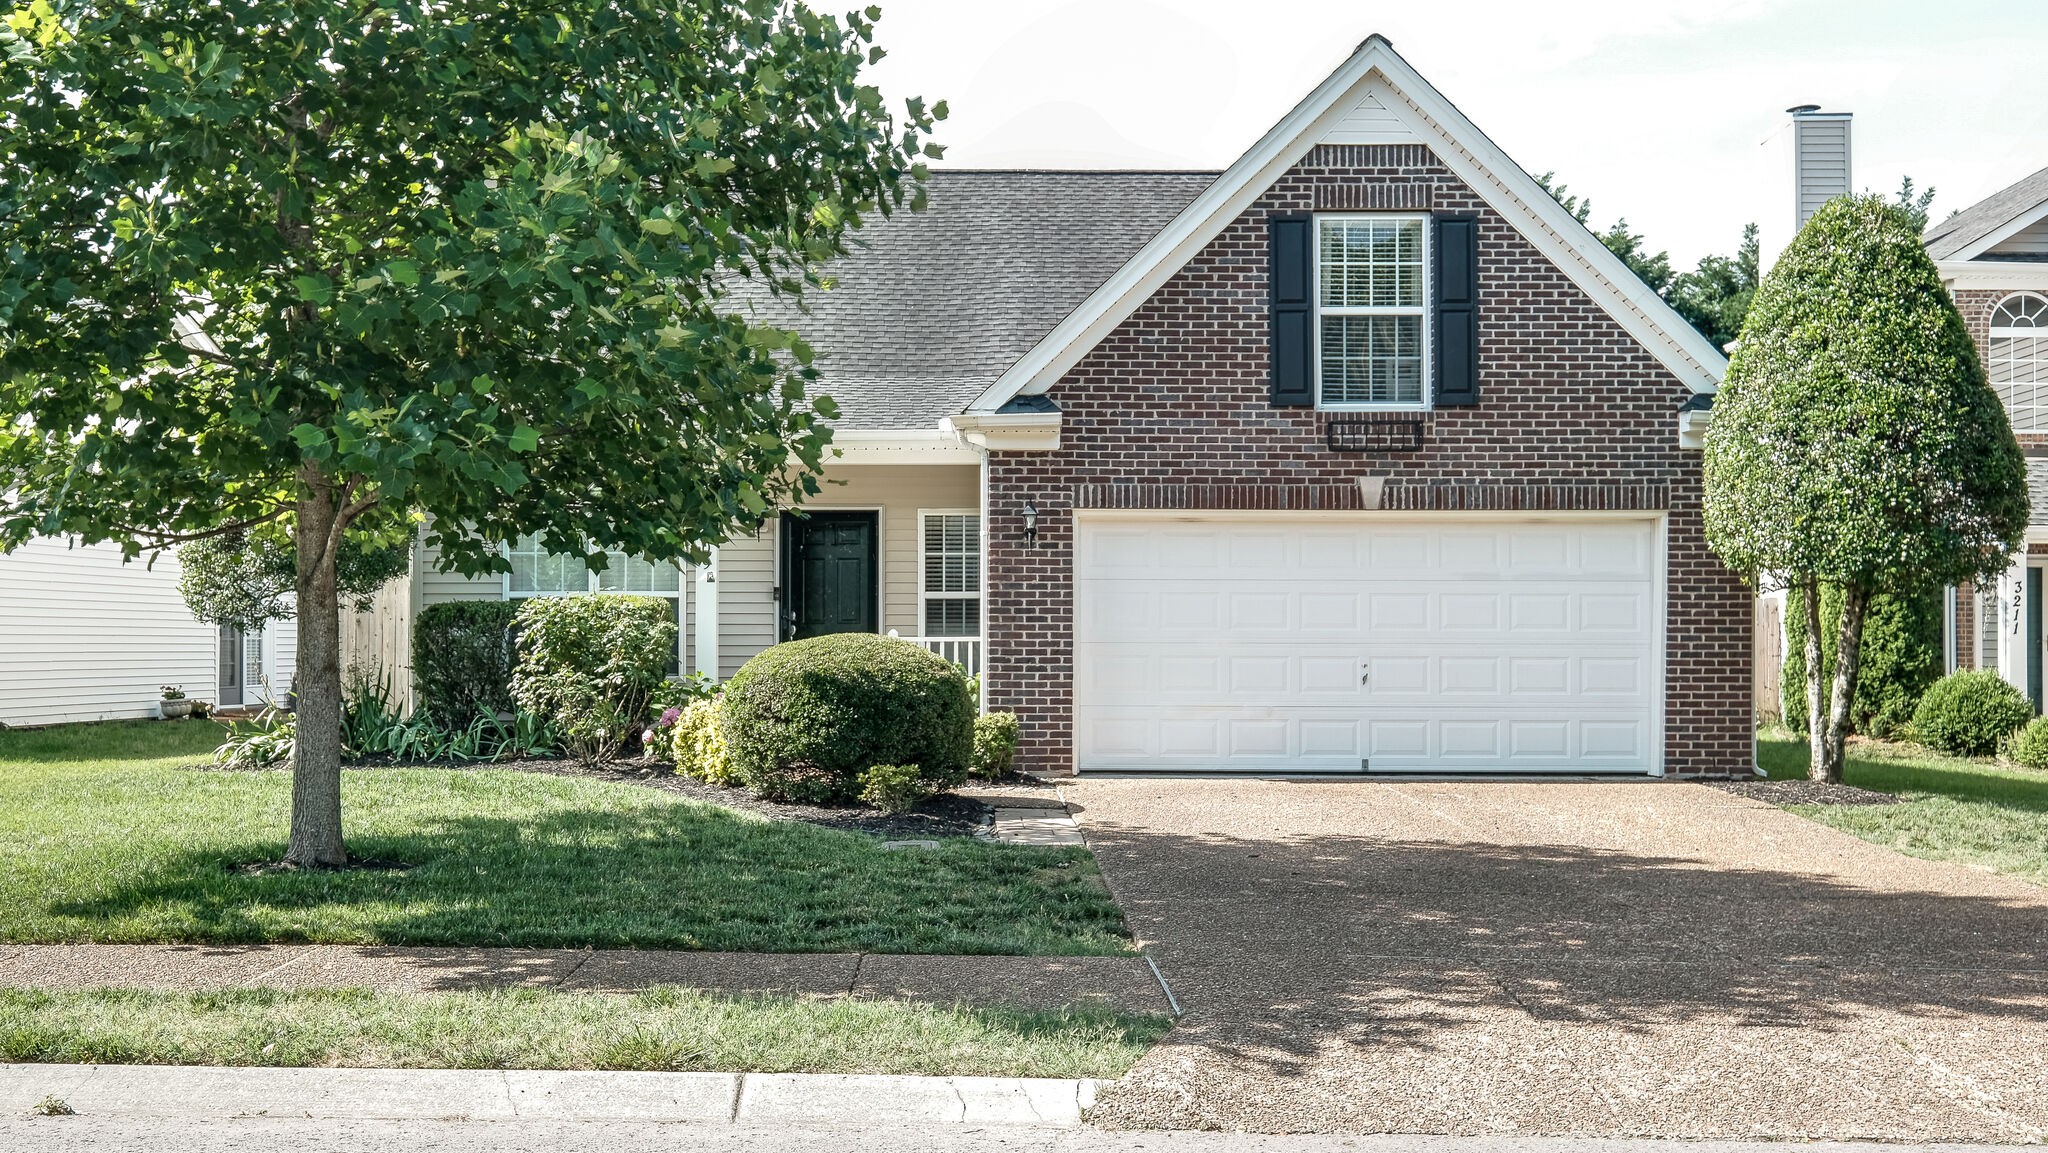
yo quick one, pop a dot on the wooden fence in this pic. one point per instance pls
(378, 643)
(1768, 657)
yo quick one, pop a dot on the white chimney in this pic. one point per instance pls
(1808, 165)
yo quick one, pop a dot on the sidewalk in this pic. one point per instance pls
(1123, 983)
(189, 1093)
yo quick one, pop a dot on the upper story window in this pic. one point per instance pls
(2018, 359)
(1372, 330)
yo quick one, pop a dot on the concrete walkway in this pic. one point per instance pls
(202, 1093)
(1124, 983)
(1599, 959)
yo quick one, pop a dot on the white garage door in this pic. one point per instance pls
(1312, 644)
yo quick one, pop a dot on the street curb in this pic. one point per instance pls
(209, 1093)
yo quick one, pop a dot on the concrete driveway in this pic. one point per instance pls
(1640, 959)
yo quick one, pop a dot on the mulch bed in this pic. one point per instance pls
(1803, 793)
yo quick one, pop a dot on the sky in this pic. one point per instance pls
(1653, 109)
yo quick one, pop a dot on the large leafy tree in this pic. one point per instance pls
(1715, 295)
(298, 260)
(1856, 444)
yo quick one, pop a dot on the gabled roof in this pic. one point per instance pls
(1968, 233)
(930, 308)
(1374, 72)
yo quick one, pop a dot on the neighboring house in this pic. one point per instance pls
(86, 637)
(1362, 455)
(1993, 256)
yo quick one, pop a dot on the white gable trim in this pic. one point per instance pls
(1375, 69)
(2008, 275)
(2003, 233)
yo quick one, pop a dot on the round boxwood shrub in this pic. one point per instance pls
(803, 720)
(1970, 712)
(2029, 746)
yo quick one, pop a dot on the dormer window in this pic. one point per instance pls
(1372, 330)
(2018, 359)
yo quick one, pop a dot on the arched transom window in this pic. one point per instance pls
(2019, 359)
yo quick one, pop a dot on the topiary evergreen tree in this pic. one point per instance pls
(1856, 443)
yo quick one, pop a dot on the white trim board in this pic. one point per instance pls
(1374, 71)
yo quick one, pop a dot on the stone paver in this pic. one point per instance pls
(1026, 982)
(1565, 959)
(1037, 826)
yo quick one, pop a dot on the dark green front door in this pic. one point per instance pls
(829, 574)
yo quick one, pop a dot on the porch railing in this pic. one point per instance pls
(962, 651)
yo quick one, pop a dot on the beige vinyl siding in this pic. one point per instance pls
(84, 637)
(2029, 241)
(746, 599)
(900, 492)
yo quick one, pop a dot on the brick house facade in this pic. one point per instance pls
(1171, 411)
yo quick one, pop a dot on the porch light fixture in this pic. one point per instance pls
(1030, 523)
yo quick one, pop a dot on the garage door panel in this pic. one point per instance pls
(1312, 644)
(1463, 675)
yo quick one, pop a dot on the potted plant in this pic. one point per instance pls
(174, 704)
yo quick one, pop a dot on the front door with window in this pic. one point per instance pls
(232, 682)
(829, 573)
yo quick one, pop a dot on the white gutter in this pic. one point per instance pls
(1006, 431)
(899, 446)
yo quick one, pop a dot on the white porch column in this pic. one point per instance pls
(707, 617)
(982, 625)
(2012, 623)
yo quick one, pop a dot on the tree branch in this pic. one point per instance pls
(161, 539)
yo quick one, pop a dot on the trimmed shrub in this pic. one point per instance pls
(893, 788)
(803, 720)
(1901, 657)
(1970, 713)
(589, 664)
(995, 745)
(699, 743)
(462, 659)
(2029, 746)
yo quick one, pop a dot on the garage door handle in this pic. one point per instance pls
(1364, 672)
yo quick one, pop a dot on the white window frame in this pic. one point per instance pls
(2038, 421)
(1424, 311)
(981, 571)
(592, 580)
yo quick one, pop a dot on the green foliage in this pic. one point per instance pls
(474, 258)
(1901, 657)
(678, 693)
(893, 788)
(1714, 297)
(1855, 438)
(804, 719)
(268, 740)
(248, 576)
(995, 745)
(462, 659)
(589, 664)
(2029, 746)
(1914, 204)
(1652, 268)
(699, 743)
(1970, 713)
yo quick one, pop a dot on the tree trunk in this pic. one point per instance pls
(316, 763)
(1816, 696)
(1848, 658)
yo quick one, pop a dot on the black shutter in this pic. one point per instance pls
(1287, 260)
(1457, 311)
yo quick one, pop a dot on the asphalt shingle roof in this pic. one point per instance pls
(931, 308)
(1986, 216)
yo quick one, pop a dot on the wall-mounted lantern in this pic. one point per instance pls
(1030, 524)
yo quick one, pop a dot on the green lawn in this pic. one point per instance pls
(666, 1029)
(111, 837)
(1974, 812)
